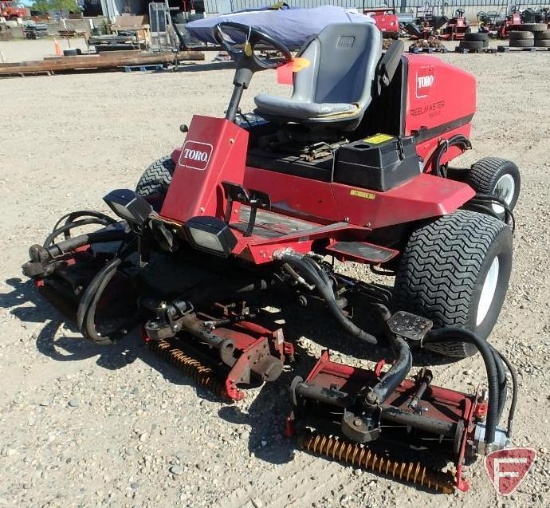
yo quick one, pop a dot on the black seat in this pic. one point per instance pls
(335, 89)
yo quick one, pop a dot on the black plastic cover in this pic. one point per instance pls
(379, 162)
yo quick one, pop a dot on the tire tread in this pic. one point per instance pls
(439, 269)
(156, 178)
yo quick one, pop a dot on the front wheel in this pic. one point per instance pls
(455, 271)
(156, 179)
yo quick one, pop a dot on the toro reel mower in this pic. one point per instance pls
(456, 28)
(354, 166)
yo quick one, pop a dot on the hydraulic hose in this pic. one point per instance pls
(514, 401)
(398, 371)
(72, 216)
(85, 315)
(482, 203)
(313, 273)
(71, 244)
(458, 140)
(446, 334)
(502, 387)
(68, 226)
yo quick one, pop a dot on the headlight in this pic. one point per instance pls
(129, 206)
(211, 235)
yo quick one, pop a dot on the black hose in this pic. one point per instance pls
(67, 227)
(514, 401)
(70, 217)
(71, 244)
(312, 271)
(457, 140)
(397, 373)
(399, 370)
(484, 201)
(319, 270)
(85, 315)
(446, 334)
(502, 387)
(70, 223)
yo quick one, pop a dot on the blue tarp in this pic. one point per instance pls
(292, 27)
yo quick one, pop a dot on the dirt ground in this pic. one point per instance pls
(87, 426)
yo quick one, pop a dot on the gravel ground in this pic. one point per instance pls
(88, 426)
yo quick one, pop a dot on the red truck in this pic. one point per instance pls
(11, 10)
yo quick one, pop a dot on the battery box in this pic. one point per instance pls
(379, 162)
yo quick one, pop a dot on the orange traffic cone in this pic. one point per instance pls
(57, 47)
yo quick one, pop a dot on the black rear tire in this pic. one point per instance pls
(455, 271)
(471, 45)
(493, 175)
(542, 36)
(522, 43)
(533, 27)
(476, 36)
(156, 179)
(516, 35)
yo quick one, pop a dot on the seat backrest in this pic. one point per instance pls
(343, 64)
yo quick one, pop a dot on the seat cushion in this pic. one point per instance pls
(301, 110)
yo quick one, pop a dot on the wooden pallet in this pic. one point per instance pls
(464, 51)
(506, 49)
(69, 34)
(143, 68)
(427, 50)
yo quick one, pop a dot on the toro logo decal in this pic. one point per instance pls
(195, 155)
(508, 468)
(424, 81)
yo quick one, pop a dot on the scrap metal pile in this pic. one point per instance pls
(255, 206)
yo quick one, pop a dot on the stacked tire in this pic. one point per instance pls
(530, 35)
(542, 38)
(475, 41)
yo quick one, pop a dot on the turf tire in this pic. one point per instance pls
(444, 269)
(493, 175)
(542, 43)
(155, 181)
(542, 36)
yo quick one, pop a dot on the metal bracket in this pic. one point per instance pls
(234, 192)
(253, 198)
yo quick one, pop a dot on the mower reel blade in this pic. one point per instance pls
(411, 436)
(256, 355)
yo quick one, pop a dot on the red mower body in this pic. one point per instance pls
(386, 21)
(248, 216)
(215, 151)
(456, 27)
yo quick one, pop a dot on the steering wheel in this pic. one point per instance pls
(246, 57)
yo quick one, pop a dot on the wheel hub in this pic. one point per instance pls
(488, 291)
(504, 189)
